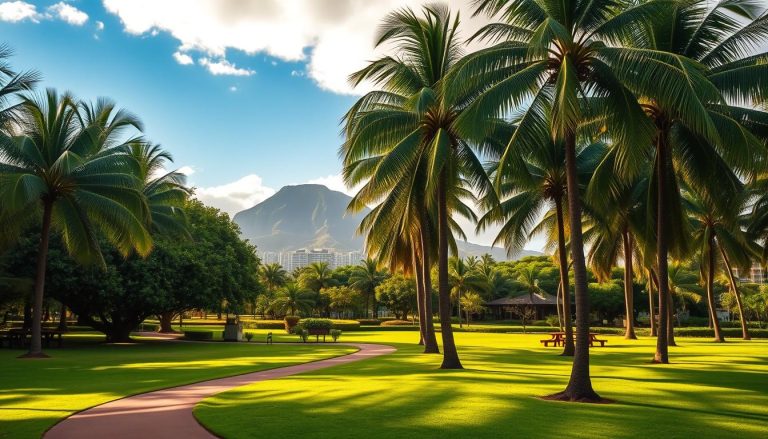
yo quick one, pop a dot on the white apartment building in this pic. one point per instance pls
(756, 274)
(292, 260)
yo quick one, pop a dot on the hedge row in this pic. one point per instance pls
(344, 325)
(398, 323)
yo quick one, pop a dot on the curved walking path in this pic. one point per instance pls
(168, 413)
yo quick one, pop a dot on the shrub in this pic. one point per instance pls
(542, 322)
(346, 325)
(697, 321)
(302, 333)
(269, 324)
(198, 335)
(248, 336)
(397, 323)
(369, 322)
(335, 334)
(318, 324)
(553, 320)
(290, 322)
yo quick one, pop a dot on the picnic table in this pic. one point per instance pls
(18, 337)
(558, 339)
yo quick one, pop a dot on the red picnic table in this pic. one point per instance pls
(558, 339)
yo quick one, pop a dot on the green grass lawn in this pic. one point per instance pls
(35, 394)
(711, 390)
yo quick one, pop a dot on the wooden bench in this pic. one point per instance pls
(593, 340)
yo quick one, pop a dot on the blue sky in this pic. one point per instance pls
(246, 94)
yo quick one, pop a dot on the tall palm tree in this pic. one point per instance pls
(318, 275)
(463, 280)
(65, 165)
(365, 278)
(408, 131)
(704, 123)
(561, 58)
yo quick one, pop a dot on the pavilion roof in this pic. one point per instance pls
(535, 299)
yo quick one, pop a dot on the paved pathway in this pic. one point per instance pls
(168, 413)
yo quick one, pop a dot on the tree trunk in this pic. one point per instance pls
(568, 347)
(419, 297)
(580, 384)
(36, 344)
(629, 299)
(450, 355)
(735, 288)
(671, 322)
(63, 318)
(166, 322)
(560, 305)
(458, 307)
(430, 340)
(662, 159)
(711, 288)
(651, 312)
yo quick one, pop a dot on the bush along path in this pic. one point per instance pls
(168, 413)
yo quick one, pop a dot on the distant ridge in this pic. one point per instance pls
(313, 216)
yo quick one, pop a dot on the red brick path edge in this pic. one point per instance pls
(168, 413)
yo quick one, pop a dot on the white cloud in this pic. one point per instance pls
(333, 37)
(297, 73)
(68, 13)
(99, 25)
(335, 182)
(17, 11)
(183, 58)
(236, 196)
(233, 88)
(186, 170)
(224, 67)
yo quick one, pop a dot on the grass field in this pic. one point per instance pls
(711, 391)
(35, 394)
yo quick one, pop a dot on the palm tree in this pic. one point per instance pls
(273, 276)
(165, 191)
(703, 130)
(66, 166)
(407, 132)
(318, 275)
(558, 56)
(463, 280)
(528, 279)
(293, 298)
(365, 278)
(472, 303)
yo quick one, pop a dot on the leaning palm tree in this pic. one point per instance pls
(365, 278)
(561, 58)
(407, 132)
(65, 166)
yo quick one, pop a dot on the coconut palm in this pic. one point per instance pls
(293, 298)
(316, 276)
(273, 276)
(407, 131)
(463, 281)
(472, 304)
(365, 278)
(65, 166)
(11, 84)
(561, 59)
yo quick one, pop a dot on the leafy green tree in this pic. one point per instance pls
(341, 298)
(472, 304)
(398, 294)
(294, 299)
(64, 165)
(463, 281)
(316, 276)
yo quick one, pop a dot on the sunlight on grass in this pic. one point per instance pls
(707, 392)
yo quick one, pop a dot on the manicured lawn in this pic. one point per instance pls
(711, 391)
(35, 394)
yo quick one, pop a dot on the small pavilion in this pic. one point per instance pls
(543, 303)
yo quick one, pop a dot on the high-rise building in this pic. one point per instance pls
(756, 274)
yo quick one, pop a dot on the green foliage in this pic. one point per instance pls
(317, 324)
(397, 323)
(201, 335)
(346, 325)
(398, 294)
(291, 322)
(335, 334)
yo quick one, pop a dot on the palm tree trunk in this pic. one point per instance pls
(419, 297)
(560, 305)
(36, 344)
(458, 308)
(735, 288)
(568, 348)
(580, 384)
(450, 355)
(651, 313)
(430, 340)
(711, 288)
(662, 159)
(629, 300)
(671, 321)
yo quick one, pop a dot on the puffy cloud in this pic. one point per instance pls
(17, 11)
(224, 67)
(99, 25)
(68, 13)
(236, 196)
(233, 88)
(183, 58)
(333, 37)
